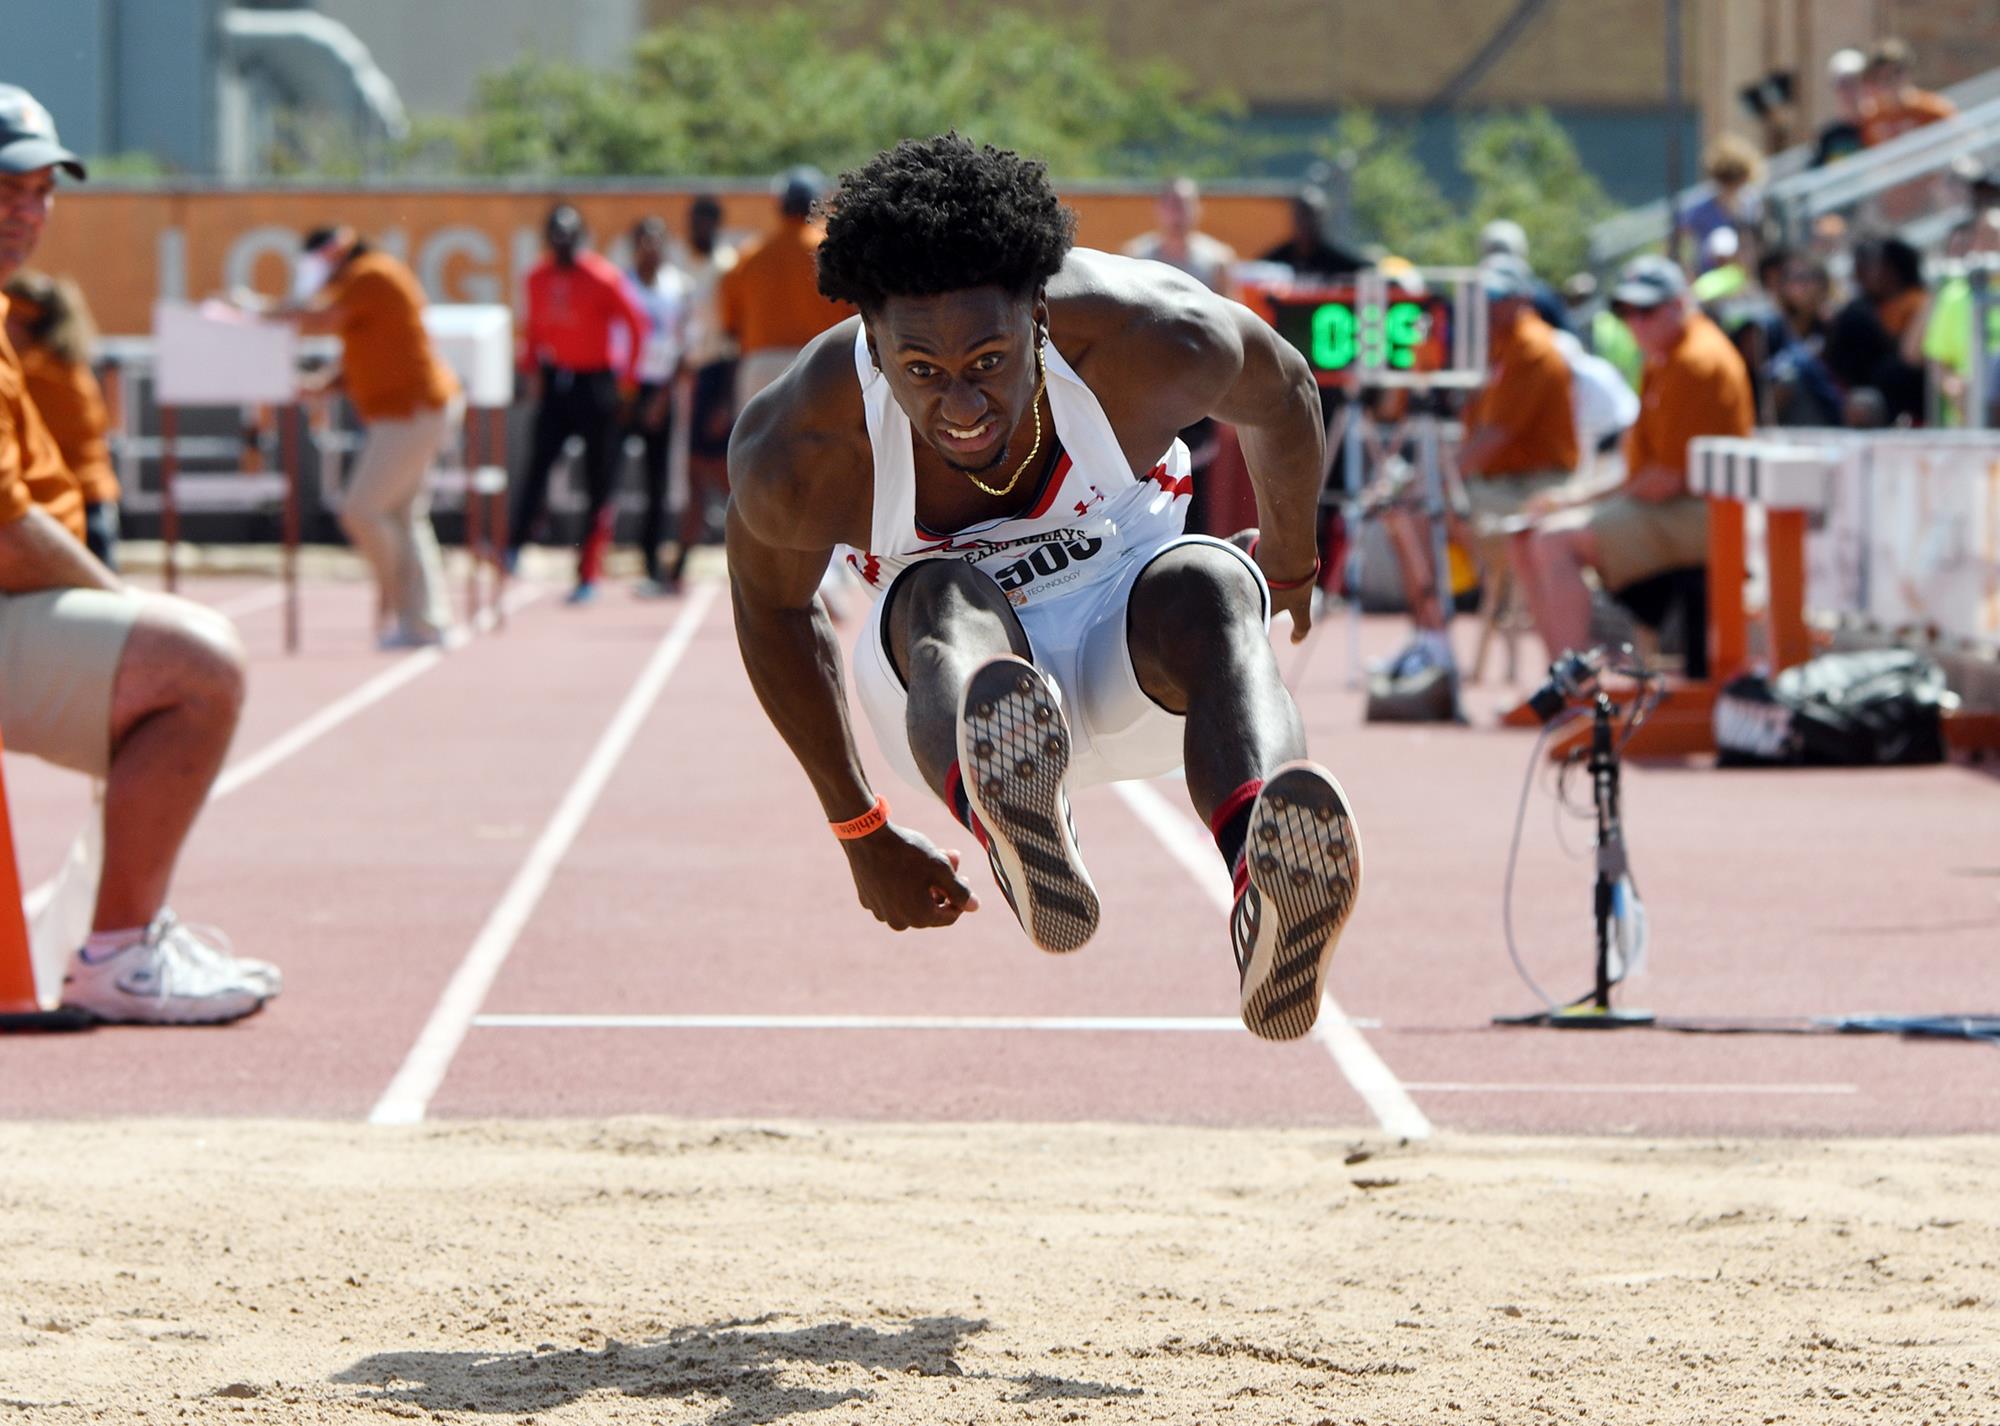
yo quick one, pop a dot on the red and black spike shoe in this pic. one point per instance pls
(1295, 889)
(1014, 751)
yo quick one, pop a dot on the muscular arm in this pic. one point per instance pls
(1274, 404)
(784, 519)
(789, 648)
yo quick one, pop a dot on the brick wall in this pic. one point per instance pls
(1951, 40)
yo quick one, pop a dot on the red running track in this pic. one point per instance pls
(373, 862)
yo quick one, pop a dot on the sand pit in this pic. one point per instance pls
(653, 1271)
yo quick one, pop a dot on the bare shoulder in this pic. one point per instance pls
(1145, 332)
(799, 462)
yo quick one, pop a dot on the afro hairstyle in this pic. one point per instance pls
(940, 215)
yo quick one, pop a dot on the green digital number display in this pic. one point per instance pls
(1333, 345)
(1335, 335)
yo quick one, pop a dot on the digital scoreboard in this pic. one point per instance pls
(1376, 332)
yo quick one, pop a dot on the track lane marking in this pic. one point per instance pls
(1463, 1086)
(1387, 1099)
(245, 770)
(408, 1097)
(1159, 1024)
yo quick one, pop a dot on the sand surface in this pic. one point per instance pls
(653, 1271)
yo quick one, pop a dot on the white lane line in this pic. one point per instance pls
(1161, 1024)
(1455, 1086)
(245, 770)
(408, 1096)
(1385, 1096)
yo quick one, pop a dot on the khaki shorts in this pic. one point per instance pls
(59, 655)
(1492, 499)
(1637, 539)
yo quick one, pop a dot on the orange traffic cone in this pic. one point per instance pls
(20, 1007)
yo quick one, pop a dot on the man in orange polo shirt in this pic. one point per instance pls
(49, 324)
(410, 403)
(141, 690)
(1520, 441)
(1891, 105)
(771, 302)
(1647, 522)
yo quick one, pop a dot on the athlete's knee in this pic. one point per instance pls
(934, 592)
(1199, 587)
(180, 654)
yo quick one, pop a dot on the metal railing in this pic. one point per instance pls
(1647, 225)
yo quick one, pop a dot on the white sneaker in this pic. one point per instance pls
(210, 946)
(403, 636)
(169, 976)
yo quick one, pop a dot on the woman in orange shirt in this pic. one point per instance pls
(50, 326)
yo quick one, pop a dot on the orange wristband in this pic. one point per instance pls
(1301, 583)
(856, 827)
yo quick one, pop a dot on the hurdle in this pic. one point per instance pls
(1851, 520)
(210, 356)
(21, 1006)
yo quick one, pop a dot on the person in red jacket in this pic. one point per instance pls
(575, 299)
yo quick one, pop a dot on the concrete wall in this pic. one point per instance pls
(435, 50)
(119, 75)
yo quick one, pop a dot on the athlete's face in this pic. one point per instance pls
(962, 366)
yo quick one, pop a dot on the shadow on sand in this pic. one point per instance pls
(734, 1365)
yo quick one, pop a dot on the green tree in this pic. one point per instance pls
(1391, 199)
(719, 92)
(1523, 166)
(1517, 164)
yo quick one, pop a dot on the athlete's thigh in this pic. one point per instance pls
(955, 602)
(1195, 593)
(1114, 646)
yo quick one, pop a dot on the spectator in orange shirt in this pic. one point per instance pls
(1892, 105)
(49, 324)
(1520, 441)
(1647, 522)
(770, 299)
(141, 690)
(578, 382)
(410, 403)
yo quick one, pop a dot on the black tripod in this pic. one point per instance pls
(1595, 1011)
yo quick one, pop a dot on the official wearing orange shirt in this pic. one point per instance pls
(142, 690)
(1520, 441)
(770, 299)
(1694, 384)
(50, 326)
(1891, 105)
(410, 403)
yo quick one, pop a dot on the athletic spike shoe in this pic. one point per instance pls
(1013, 751)
(1295, 889)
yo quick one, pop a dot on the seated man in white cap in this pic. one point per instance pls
(141, 690)
(1646, 522)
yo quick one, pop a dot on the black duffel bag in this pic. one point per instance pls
(1839, 710)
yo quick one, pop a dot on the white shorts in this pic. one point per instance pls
(1079, 640)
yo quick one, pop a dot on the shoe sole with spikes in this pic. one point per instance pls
(1303, 858)
(1013, 752)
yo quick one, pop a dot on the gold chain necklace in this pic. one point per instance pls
(1041, 362)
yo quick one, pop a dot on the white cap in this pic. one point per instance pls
(1846, 64)
(1503, 235)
